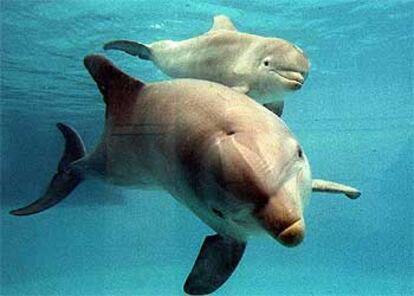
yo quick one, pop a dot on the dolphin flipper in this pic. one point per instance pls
(130, 47)
(332, 187)
(276, 107)
(218, 258)
(65, 180)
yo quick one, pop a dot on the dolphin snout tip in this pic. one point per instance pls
(293, 79)
(293, 235)
(296, 86)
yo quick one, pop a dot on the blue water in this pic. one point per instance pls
(354, 117)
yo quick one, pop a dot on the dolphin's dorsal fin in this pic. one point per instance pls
(222, 22)
(120, 90)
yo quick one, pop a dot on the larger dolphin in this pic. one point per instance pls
(227, 158)
(264, 68)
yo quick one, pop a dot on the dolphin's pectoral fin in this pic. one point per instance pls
(130, 47)
(332, 187)
(276, 107)
(65, 180)
(244, 89)
(222, 22)
(218, 258)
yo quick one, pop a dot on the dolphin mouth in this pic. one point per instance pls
(293, 79)
(293, 235)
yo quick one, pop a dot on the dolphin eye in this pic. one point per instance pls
(218, 213)
(300, 152)
(266, 63)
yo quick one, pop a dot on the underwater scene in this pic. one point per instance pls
(180, 147)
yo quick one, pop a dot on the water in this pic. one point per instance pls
(354, 118)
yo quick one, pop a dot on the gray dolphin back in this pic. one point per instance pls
(65, 180)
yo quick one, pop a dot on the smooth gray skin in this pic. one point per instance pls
(227, 158)
(264, 68)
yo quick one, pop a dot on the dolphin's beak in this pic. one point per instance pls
(293, 75)
(282, 218)
(292, 235)
(294, 80)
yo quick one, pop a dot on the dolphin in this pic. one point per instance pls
(228, 159)
(264, 68)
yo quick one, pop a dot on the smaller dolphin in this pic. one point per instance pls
(228, 159)
(264, 68)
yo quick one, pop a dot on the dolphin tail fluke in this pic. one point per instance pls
(65, 180)
(218, 258)
(131, 47)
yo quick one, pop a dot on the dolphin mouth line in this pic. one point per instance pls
(290, 76)
(296, 222)
(292, 235)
